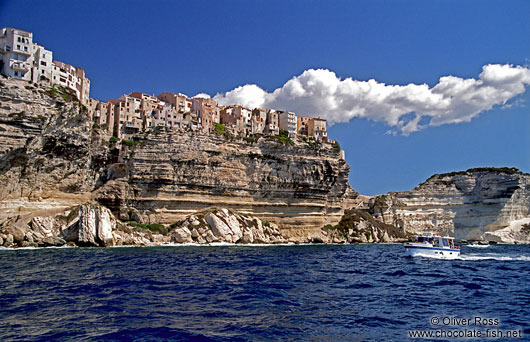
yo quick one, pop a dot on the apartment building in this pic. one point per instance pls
(301, 124)
(16, 47)
(26, 60)
(237, 118)
(180, 101)
(68, 76)
(316, 127)
(258, 121)
(288, 122)
(273, 122)
(166, 115)
(207, 111)
(42, 70)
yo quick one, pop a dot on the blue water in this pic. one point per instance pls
(241, 293)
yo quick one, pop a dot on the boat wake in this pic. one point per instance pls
(494, 256)
(478, 246)
(476, 257)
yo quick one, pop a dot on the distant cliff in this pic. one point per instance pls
(490, 204)
(52, 159)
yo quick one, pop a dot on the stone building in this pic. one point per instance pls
(258, 121)
(273, 122)
(316, 127)
(301, 124)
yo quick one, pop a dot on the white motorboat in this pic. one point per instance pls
(432, 245)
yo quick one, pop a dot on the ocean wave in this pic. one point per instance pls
(478, 246)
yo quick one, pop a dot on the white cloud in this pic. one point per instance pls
(202, 96)
(407, 109)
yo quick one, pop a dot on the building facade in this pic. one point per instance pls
(26, 60)
(288, 122)
(316, 128)
(301, 124)
(16, 47)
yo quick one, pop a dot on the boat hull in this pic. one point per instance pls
(442, 253)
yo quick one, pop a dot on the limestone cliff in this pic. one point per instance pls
(478, 204)
(53, 158)
(169, 175)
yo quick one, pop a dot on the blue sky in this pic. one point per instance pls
(215, 46)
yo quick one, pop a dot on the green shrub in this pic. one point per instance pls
(113, 140)
(302, 138)
(265, 223)
(283, 138)
(505, 170)
(154, 227)
(129, 143)
(250, 139)
(313, 144)
(220, 129)
(336, 146)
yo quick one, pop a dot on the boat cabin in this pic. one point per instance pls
(436, 240)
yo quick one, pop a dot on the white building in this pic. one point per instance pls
(42, 64)
(288, 122)
(16, 47)
(24, 59)
(71, 77)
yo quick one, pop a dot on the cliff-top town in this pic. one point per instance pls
(130, 114)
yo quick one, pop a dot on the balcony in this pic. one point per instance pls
(19, 65)
(5, 49)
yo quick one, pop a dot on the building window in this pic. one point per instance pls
(43, 63)
(18, 46)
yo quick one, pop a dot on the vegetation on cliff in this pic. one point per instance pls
(505, 170)
(359, 226)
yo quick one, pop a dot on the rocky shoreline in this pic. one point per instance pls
(95, 226)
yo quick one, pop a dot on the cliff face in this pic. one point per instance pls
(172, 174)
(478, 204)
(51, 158)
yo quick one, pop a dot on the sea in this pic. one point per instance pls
(369, 292)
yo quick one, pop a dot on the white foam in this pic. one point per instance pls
(30, 248)
(436, 256)
(213, 244)
(500, 257)
(478, 246)
(475, 257)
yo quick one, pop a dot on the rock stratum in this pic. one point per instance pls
(65, 181)
(489, 204)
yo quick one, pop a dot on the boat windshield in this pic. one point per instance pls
(424, 239)
(444, 242)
